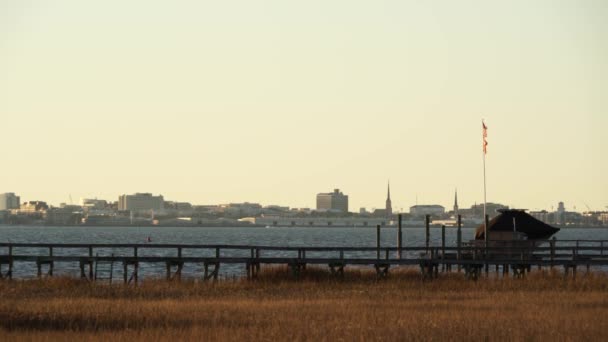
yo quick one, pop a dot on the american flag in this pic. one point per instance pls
(485, 136)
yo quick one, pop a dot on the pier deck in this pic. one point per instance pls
(568, 254)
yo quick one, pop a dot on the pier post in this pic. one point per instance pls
(135, 266)
(51, 264)
(552, 242)
(378, 241)
(459, 241)
(91, 262)
(427, 224)
(10, 262)
(443, 266)
(399, 236)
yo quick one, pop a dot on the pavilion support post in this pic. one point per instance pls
(487, 232)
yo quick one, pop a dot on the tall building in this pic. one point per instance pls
(332, 201)
(389, 206)
(141, 202)
(560, 217)
(9, 201)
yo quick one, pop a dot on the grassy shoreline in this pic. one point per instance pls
(316, 307)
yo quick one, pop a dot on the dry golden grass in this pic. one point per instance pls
(544, 306)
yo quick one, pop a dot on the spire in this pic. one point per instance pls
(456, 202)
(389, 206)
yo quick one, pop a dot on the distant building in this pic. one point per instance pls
(141, 202)
(67, 215)
(89, 203)
(560, 217)
(9, 201)
(332, 201)
(243, 209)
(603, 217)
(542, 215)
(422, 210)
(33, 206)
(476, 210)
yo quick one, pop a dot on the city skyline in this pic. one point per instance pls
(314, 206)
(229, 102)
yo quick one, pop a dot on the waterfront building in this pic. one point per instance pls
(66, 215)
(422, 210)
(560, 217)
(318, 221)
(476, 210)
(33, 206)
(603, 217)
(141, 202)
(542, 215)
(9, 201)
(89, 203)
(332, 201)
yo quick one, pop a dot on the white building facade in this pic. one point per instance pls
(9, 201)
(141, 202)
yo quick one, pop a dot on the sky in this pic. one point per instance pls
(276, 101)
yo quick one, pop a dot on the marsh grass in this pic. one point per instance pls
(316, 306)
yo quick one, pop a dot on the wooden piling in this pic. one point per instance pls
(135, 265)
(399, 236)
(459, 240)
(377, 241)
(112, 269)
(51, 264)
(10, 262)
(443, 248)
(91, 262)
(427, 224)
(552, 242)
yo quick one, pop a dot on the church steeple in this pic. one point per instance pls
(456, 203)
(389, 207)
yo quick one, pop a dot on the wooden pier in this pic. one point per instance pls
(567, 254)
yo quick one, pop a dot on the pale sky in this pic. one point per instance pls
(275, 101)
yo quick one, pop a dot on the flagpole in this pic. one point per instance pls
(485, 222)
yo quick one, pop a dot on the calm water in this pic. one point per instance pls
(305, 237)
